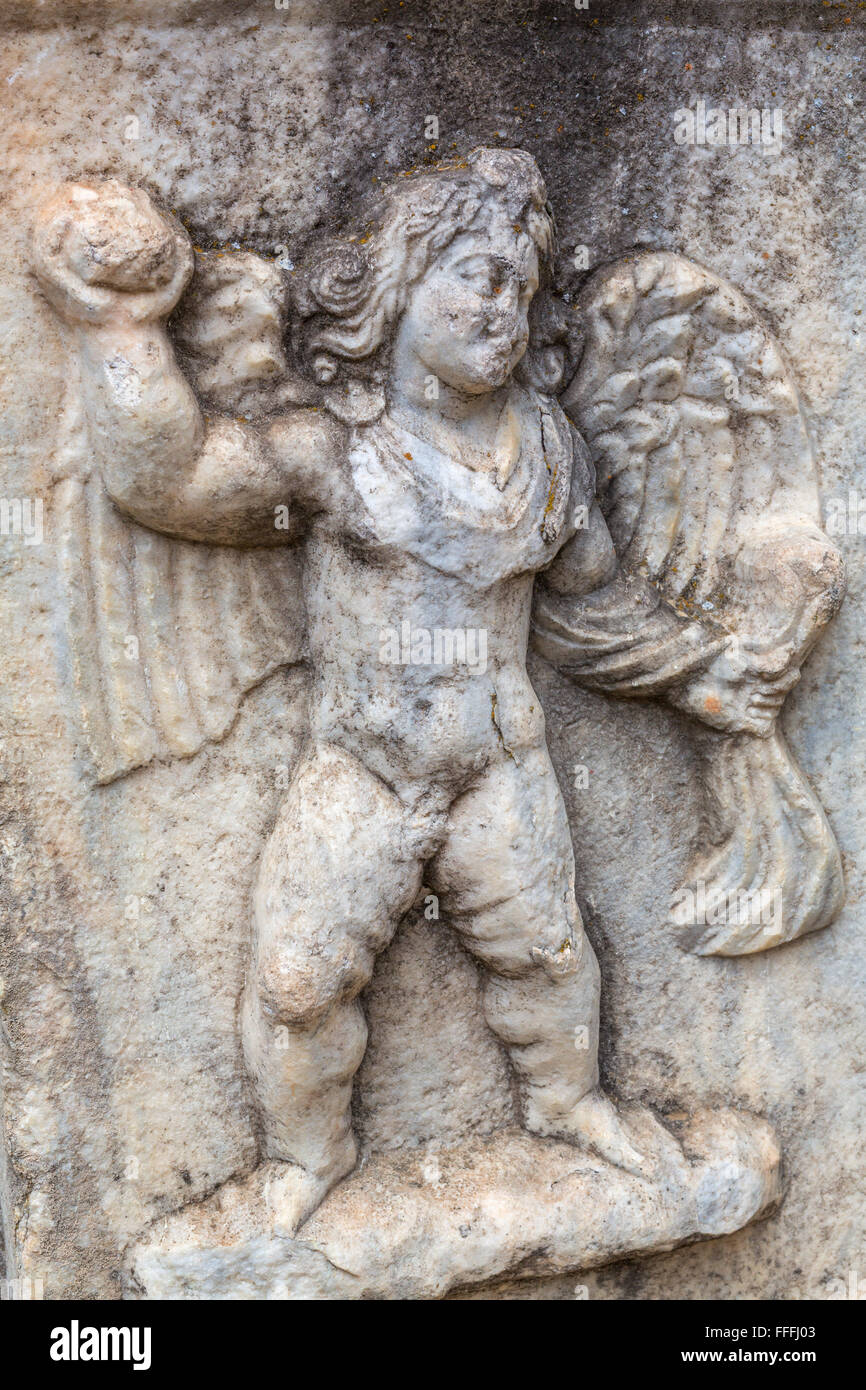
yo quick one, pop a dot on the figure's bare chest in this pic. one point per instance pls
(406, 497)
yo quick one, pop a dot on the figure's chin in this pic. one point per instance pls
(487, 378)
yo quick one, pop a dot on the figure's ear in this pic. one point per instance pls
(546, 365)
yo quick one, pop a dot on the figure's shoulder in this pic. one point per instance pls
(310, 448)
(311, 429)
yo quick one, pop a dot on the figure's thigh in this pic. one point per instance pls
(337, 874)
(505, 873)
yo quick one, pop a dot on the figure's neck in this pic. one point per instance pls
(467, 427)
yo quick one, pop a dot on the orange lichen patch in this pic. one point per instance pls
(713, 705)
(551, 492)
(407, 456)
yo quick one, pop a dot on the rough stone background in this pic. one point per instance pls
(124, 1093)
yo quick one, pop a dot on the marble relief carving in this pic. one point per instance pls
(404, 464)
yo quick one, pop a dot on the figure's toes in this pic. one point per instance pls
(654, 1139)
(596, 1122)
(623, 1155)
(292, 1194)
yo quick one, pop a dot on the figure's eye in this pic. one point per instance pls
(480, 274)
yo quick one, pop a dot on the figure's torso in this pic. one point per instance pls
(407, 497)
(418, 590)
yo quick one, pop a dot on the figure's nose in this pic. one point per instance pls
(503, 317)
(508, 297)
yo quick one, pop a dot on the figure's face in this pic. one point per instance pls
(467, 320)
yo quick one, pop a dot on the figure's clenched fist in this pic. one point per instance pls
(735, 698)
(102, 251)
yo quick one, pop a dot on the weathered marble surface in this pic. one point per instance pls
(415, 1225)
(127, 1096)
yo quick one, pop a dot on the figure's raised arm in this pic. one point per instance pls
(113, 268)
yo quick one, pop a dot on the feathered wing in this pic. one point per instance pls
(707, 480)
(159, 639)
(693, 419)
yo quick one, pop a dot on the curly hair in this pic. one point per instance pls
(355, 289)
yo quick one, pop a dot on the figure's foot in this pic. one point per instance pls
(292, 1194)
(596, 1122)
(270, 1203)
(282, 1194)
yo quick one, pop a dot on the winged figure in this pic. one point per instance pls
(394, 460)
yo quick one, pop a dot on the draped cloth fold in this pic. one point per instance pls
(766, 868)
(623, 639)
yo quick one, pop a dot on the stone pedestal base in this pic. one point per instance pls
(418, 1225)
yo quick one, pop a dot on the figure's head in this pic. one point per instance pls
(466, 321)
(446, 271)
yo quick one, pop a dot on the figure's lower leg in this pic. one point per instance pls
(303, 1082)
(547, 1017)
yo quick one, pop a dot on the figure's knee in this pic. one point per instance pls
(298, 989)
(549, 1002)
(528, 932)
